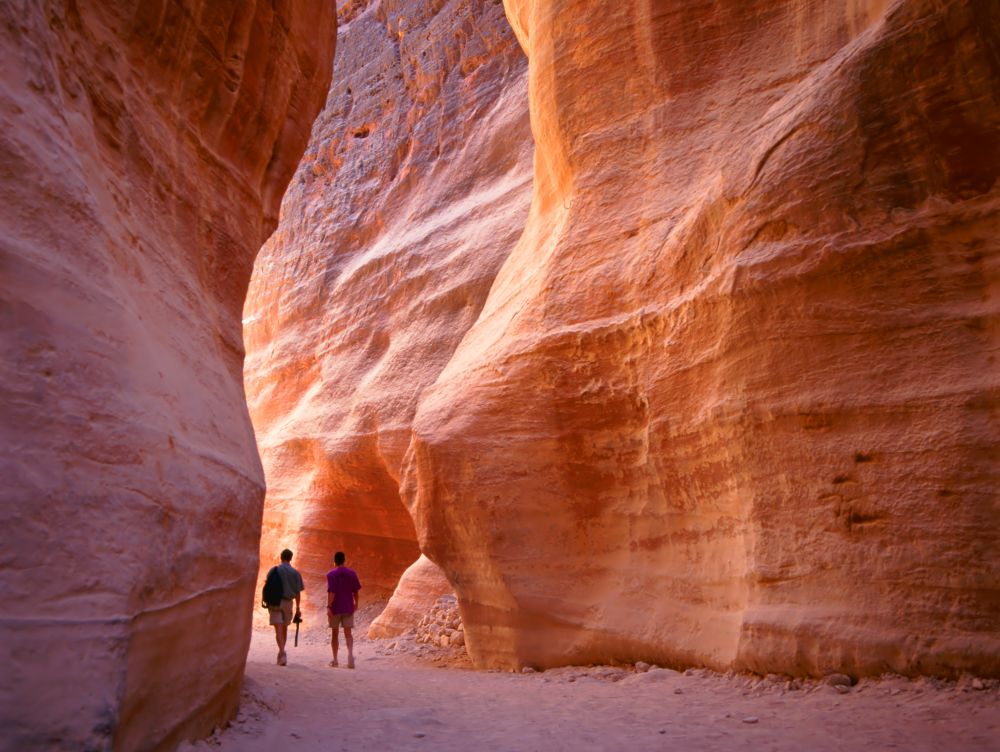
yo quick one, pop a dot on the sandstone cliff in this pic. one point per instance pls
(144, 149)
(733, 398)
(414, 189)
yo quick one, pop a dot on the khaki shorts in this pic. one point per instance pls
(340, 620)
(282, 614)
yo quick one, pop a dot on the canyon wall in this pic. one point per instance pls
(412, 192)
(733, 398)
(144, 150)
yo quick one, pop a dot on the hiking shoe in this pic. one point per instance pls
(350, 662)
(282, 659)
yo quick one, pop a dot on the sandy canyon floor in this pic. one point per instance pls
(419, 698)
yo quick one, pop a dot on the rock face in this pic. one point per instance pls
(733, 398)
(412, 192)
(419, 589)
(144, 149)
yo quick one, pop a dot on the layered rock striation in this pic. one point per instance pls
(144, 150)
(733, 398)
(414, 189)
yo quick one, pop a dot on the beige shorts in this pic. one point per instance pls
(283, 614)
(340, 620)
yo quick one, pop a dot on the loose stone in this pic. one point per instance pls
(837, 679)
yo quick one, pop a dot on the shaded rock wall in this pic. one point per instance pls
(733, 398)
(420, 587)
(412, 192)
(144, 149)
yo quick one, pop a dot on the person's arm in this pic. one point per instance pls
(357, 587)
(298, 595)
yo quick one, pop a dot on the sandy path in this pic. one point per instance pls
(398, 703)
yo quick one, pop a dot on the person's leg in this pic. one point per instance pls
(349, 639)
(275, 617)
(286, 619)
(282, 637)
(334, 641)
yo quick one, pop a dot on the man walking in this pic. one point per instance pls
(342, 586)
(281, 616)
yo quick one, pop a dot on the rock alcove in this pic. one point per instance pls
(667, 334)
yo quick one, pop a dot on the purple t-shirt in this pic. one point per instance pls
(343, 583)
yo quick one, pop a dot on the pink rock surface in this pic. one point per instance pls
(733, 398)
(412, 192)
(421, 585)
(144, 149)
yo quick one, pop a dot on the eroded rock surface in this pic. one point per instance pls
(144, 149)
(733, 399)
(419, 589)
(412, 192)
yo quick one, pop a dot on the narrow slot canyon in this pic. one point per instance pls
(641, 357)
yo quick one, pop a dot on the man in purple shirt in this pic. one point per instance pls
(342, 586)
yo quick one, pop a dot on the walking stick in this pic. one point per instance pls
(296, 621)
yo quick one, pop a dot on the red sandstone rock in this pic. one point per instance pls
(418, 590)
(733, 399)
(144, 148)
(413, 191)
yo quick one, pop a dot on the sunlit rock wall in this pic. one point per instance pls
(144, 149)
(733, 399)
(414, 189)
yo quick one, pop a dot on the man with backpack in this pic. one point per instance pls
(342, 586)
(282, 586)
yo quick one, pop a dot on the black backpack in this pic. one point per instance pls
(273, 590)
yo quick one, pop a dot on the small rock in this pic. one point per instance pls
(654, 675)
(751, 719)
(641, 667)
(663, 731)
(690, 672)
(528, 670)
(458, 639)
(837, 679)
(841, 689)
(678, 691)
(608, 673)
(977, 683)
(420, 735)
